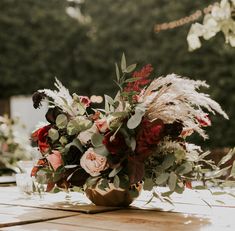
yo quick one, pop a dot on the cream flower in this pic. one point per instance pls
(93, 163)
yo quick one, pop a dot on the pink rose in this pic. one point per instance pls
(93, 163)
(102, 125)
(85, 101)
(55, 159)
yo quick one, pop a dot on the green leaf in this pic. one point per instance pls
(103, 184)
(135, 120)
(167, 194)
(172, 181)
(72, 127)
(179, 189)
(218, 173)
(101, 150)
(61, 121)
(227, 157)
(124, 182)
(53, 134)
(91, 181)
(63, 140)
(162, 178)
(96, 139)
(77, 125)
(130, 68)
(148, 184)
(168, 161)
(76, 142)
(133, 193)
(232, 173)
(123, 63)
(218, 193)
(221, 202)
(116, 181)
(184, 168)
(115, 171)
(200, 187)
(109, 99)
(131, 80)
(117, 72)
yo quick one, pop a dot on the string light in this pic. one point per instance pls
(180, 22)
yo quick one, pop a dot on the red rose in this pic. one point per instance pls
(40, 136)
(148, 137)
(117, 145)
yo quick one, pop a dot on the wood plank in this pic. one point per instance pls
(78, 201)
(140, 220)
(15, 215)
(45, 226)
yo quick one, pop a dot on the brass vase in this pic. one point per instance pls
(113, 197)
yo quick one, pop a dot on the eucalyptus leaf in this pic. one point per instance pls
(53, 134)
(96, 139)
(131, 80)
(200, 187)
(133, 193)
(91, 181)
(184, 168)
(218, 193)
(123, 63)
(109, 99)
(168, 161)
(172, 181)
(61, 121)
(63, 140)
(227, 157)
(115, 171)
(232, 173)
(75, 143)
(135, 120)
(148, 184)
(162, 178)
(130, 68)
(117, 72)
(72, 127)
(101, 150)
(116, 181)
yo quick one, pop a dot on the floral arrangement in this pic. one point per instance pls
(139, 136)
(14, 145)
(221, 18)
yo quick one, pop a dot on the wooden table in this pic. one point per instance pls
(52, 212)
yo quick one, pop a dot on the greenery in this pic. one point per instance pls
(40, 41)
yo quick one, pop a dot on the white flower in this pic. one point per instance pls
(193, 42)
(93, 163)
(231, 39)
(222, 11)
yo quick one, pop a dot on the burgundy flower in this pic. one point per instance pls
(148, 136)
(141, 79)
(40, 136)
(116, 146)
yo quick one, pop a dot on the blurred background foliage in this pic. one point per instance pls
(39, 41)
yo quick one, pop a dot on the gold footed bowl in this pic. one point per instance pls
(113, 197)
